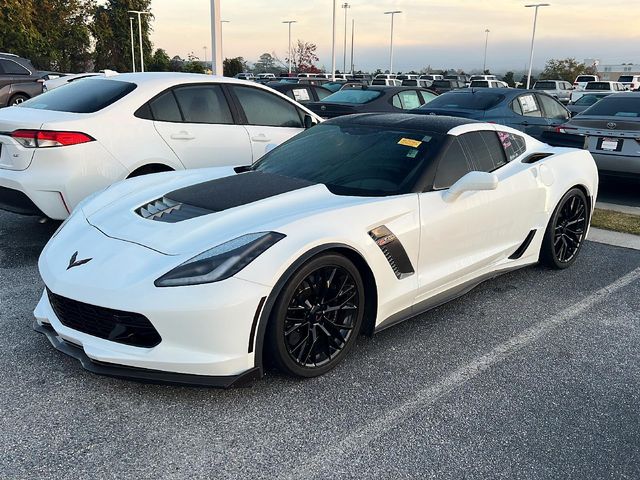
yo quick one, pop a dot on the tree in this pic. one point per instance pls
(565, 69)
(193, 64)
(53, 34)
(303, 57)
(233, 66)
(266, 64)
(110, 29)
(508, 79)
(160, 61)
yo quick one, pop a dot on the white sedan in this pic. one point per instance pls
(350, 227)
(61, 146)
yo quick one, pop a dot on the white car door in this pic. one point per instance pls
(466, 236)
(270, 119)
(197, 124)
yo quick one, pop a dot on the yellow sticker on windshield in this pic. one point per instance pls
(407, 142)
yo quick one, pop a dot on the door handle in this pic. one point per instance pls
(182, 135)
(260, 138)
(525, 123)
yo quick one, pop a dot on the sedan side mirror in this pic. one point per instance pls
(309, 121)
(471, 182)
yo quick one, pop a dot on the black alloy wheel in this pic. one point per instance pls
(317, 317)
(566, 230)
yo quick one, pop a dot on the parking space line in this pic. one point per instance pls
(324, 463)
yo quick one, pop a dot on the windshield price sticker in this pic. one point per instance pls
(408, 142)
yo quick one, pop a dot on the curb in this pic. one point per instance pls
(618, 239)
(619, 208)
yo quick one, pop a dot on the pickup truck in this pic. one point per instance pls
(610, 87)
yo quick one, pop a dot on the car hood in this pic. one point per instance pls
(176, 214)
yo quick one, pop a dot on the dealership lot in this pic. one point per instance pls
(535, 374)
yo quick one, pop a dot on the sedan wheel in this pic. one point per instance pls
(317, 317)
(566, 230)
(17, 100)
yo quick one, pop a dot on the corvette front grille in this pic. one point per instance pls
(118, 326)
(166, 210)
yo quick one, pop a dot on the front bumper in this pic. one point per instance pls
(142, 374)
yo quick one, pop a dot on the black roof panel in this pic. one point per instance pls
(433, 123)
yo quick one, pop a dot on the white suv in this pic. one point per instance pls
(631, 82)
(63, 145)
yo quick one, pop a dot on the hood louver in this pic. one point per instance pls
(166, 210)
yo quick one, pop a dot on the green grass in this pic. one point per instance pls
(616, 221)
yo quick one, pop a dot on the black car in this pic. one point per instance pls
(442, 86)
(371, 99)
(301, 92)
(19, 80)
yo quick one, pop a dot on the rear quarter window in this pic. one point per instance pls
(89, 96)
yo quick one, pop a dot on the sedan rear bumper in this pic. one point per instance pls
(16, 201)
(619, 165)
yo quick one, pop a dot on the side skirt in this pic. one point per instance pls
(439, 299)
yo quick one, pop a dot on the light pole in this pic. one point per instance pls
(393, 14)
(533, 36)
(133, 50)
(486, 42)
(221, 39)
(140, 35)
(333, 44)
(346, 7)
(205, 56)
(216, 39)
(353, 26)
(289, 22)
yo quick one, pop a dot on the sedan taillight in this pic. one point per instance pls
(49, 138)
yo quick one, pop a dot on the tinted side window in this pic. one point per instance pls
(322, 93)
(484, 149)
(514, 145)
(12, 68)
(453, 165)
(552, 108)
(165, 108)
(264, 108)
(203, 104)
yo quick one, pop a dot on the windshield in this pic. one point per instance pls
(598, 86)
(588, 99)
(626, 78)
(472, 100)
(353, 95)
(87, 96)
(545, 86)
(586, 78)
(479, 83)
(615, 107)
(355, 159)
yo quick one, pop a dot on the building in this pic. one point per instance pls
(613, 72)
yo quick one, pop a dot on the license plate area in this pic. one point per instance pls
(607, 144)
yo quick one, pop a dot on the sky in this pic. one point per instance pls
(439, 33)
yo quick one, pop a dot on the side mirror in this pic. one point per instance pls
(309, 121)
(471, 182)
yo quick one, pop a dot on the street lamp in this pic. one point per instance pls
(205, 56)
(486, 42)
(393, 14)
(133, 50)
(345, 6)
(140, 34)
(533, 36)
(353, 26)
(289, 22)
(221, 50)
(216, 39)
(333, 44)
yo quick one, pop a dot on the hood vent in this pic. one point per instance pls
(166, 210)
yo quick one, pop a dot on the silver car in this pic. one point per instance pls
(556, 88)
(612, 128)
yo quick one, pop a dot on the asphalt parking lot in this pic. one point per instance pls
(535, 374)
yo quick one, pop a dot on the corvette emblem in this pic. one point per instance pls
(74, 262)
(611, 125)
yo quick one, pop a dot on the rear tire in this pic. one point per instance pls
(317, 317)
(566, 230)
(17, 99)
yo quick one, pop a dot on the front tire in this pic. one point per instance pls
(566, 231)
(317, 317)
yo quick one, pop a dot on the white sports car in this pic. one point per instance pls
(350, 227)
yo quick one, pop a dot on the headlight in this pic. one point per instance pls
(221, 262)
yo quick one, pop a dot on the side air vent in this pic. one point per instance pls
(536, 157)
(523, 247)
(393, 251)
(166, 210)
